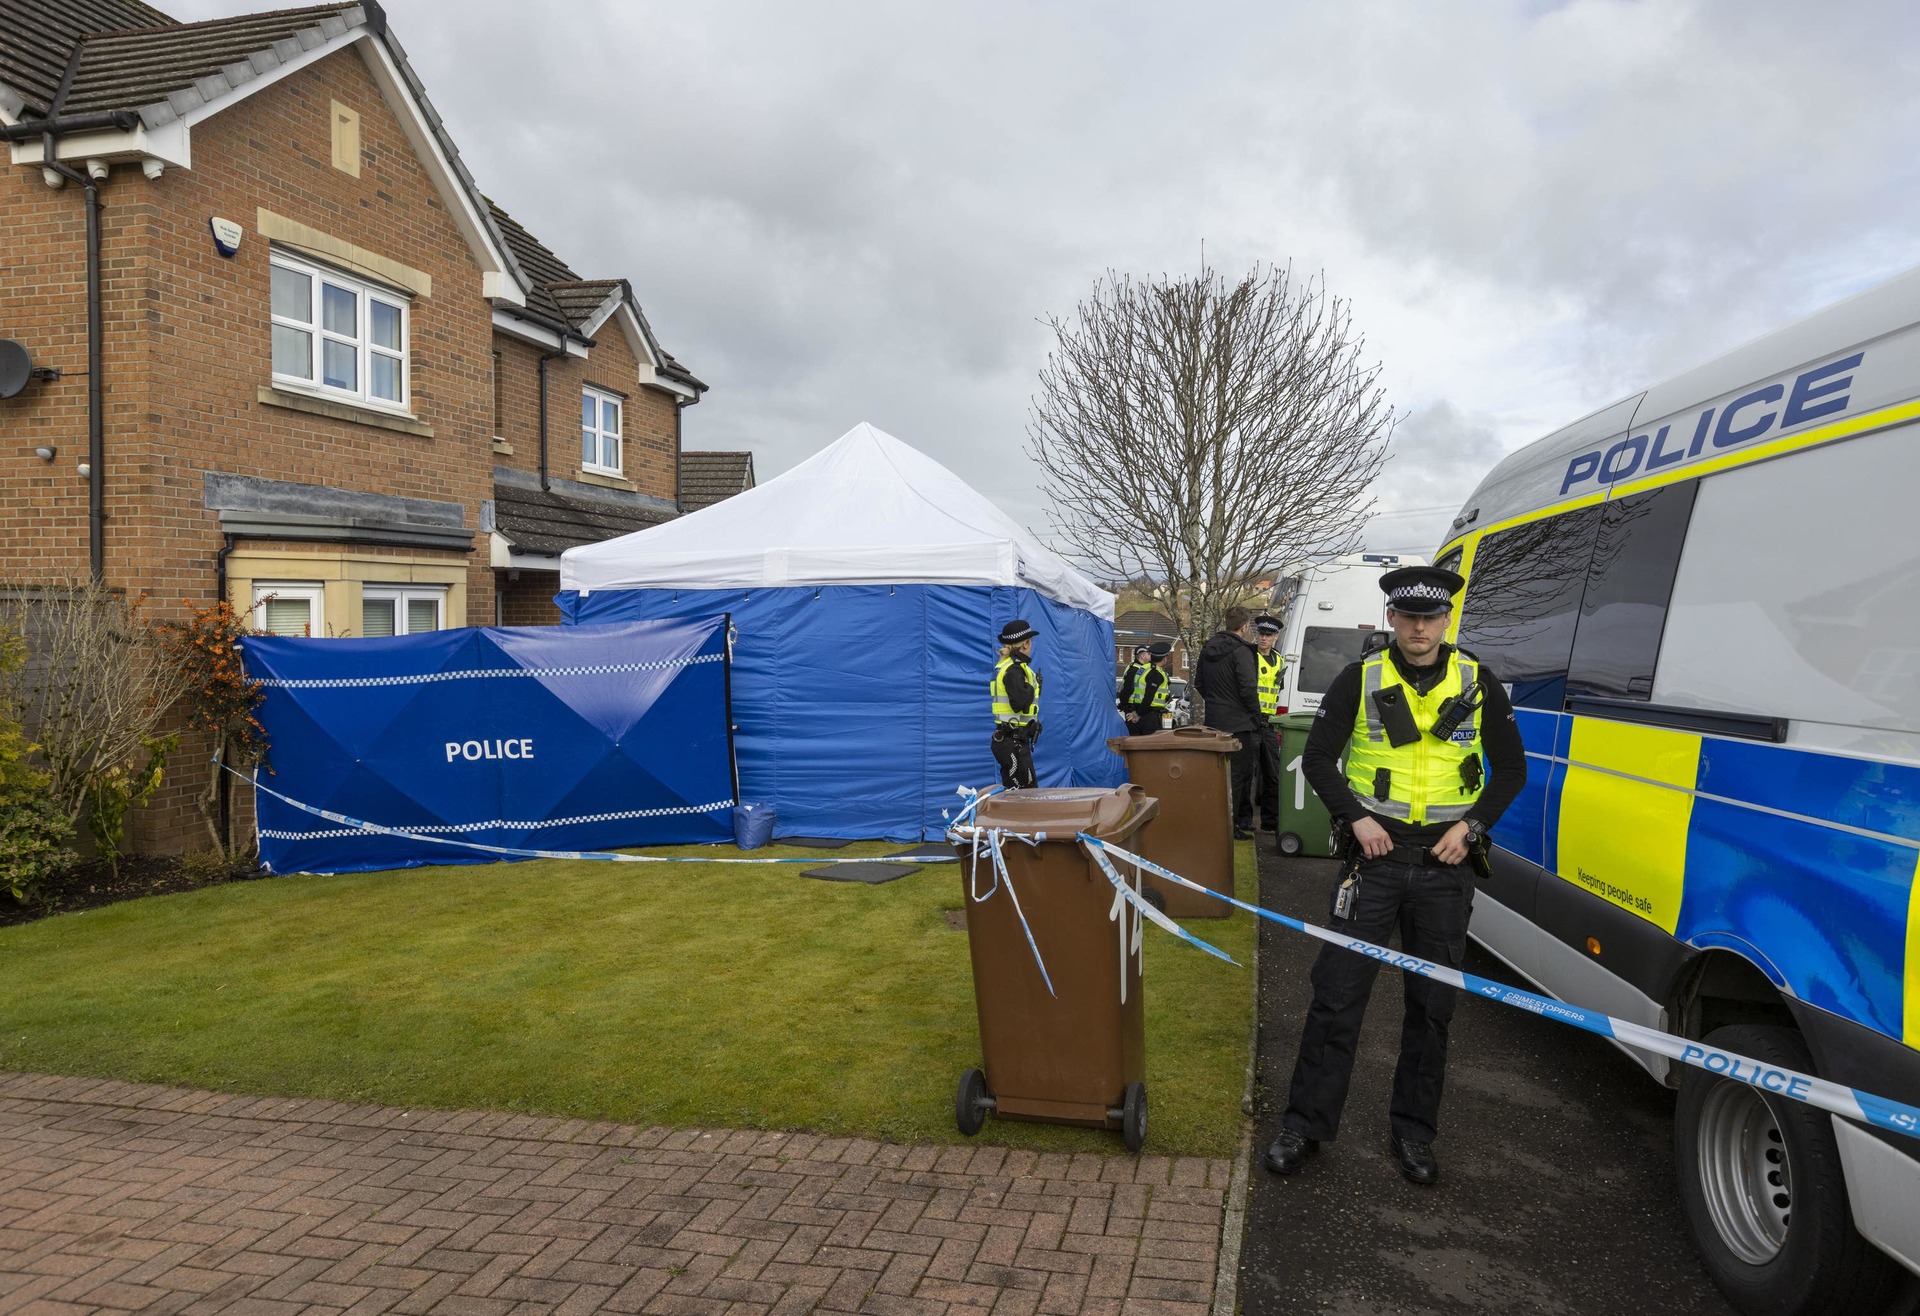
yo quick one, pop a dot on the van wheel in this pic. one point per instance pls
(1763, 1193)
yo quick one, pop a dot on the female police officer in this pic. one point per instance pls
(1016, 706)
(1413, 723)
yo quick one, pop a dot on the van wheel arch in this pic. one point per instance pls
(1717, 989)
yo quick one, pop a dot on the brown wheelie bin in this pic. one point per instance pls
(1186, 770)
(1077, 1055)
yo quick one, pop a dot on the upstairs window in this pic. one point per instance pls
(337, 336)
(599, 431)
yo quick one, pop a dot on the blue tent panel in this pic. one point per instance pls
(556, 738)
(860, 709)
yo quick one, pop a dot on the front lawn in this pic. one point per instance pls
(685, 994)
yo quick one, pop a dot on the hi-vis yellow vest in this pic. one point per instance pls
(1425, 782)
(1271, 667)
(1135, 689)
(1002, 705)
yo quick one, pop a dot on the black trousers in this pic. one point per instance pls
(1243, 767)
(1430, 906)
(1013, 751)
(1148, 723)
(1267, 763)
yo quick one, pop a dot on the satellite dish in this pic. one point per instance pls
(16, 367)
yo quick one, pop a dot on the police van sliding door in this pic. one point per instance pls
(1567, 611)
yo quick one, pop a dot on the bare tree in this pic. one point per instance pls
(1199, 434)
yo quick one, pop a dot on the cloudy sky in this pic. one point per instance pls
(838, 212)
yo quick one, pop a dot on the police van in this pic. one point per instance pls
(1327, 610)
(1705, 601)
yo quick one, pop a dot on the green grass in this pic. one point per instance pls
(685, 994)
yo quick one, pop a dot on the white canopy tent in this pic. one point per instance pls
(865, 510)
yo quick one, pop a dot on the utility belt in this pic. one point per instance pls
(1016, 730)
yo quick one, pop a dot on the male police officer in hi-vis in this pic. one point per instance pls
(1133, 689)
(1270, 667)
(1016, 706)
(1433, 758)
(1151, 713)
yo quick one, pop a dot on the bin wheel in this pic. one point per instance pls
(1290, 843)
(1133, 1117)
(1155, 899)
(970, 1102)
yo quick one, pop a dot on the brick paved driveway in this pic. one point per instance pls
(120, 1197)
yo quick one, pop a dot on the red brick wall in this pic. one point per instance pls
(188, 346)
(528, 601)
(647, 456)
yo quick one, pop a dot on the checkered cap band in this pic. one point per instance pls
(1420, 594)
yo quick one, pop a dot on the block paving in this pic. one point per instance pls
(123, 1197)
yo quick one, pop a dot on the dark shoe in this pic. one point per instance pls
(1415, 1159)
(1290, 1151)
(1242, 834)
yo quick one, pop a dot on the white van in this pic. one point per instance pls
(1705, 601)
(1326, 612)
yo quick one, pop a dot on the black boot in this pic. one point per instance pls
(1289, 1151)
(1415, 1159)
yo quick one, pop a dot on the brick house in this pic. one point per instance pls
(330, 378)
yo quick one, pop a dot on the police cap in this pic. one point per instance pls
(1267, 625)
(1159, 649)
(1421, 591)
(1015, 631)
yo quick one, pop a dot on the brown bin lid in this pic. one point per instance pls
(1204, 739)
(1062, 810)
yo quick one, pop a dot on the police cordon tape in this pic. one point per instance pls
(1851, 1103)
(517, 852)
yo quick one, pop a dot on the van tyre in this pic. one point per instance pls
(1763, 1193)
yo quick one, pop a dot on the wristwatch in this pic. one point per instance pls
(1476, 830)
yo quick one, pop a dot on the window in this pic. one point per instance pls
(1635, 555)
(1795, 593)
(599, 432)
(401, 609)
(338, 336)
(287, 609)
(1523, 600)
(1324, 652)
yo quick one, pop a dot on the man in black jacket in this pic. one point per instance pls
(1228, 680)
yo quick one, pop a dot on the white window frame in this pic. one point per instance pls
(313, 592)
(603, 437)
(402, 595)
(365, 350)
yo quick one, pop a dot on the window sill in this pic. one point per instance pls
(608, 481)
(502, 447)
(347, 411)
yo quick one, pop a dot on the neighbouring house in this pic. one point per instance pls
(330, 379)
(1140, 626)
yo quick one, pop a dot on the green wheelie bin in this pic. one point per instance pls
(1306, 828)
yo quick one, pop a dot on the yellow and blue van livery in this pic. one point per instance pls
(1705, 602)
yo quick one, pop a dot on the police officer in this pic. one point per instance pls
(1016, 706)
(1433, 758)
(1152, 710)
(1227, 678)
(1270, 667)
(1133, 689)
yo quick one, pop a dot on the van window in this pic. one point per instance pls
(1625, 606)
(1796, 593)
(1523, 600)
(1324, 651)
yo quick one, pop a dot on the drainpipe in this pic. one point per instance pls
(679, 408)
(96, 419)
(546, 484)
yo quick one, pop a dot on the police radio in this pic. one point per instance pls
(1455, 711)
